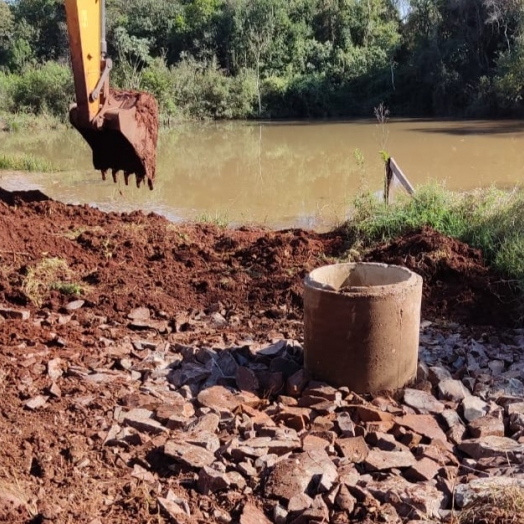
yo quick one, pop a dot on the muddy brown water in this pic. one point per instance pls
(278, 174)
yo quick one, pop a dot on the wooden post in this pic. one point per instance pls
(394, 171)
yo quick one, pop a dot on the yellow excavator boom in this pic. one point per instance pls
(84, 20)
(120, 126)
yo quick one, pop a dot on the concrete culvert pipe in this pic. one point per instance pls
(361, 325)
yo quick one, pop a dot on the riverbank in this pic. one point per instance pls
(119, 334)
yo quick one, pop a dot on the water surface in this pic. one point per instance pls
(279, 174)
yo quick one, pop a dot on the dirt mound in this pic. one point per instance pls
(152, 290)
(457, 283)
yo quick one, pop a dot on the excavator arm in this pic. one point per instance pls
(120, 126)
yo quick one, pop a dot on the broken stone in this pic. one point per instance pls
(54, 369)
(211, 481)
(424, 425)
(486, 426)
(348, 475)
(237, 480)
(189, 454)
(247, 469)
(280, 515)
(451, 389)
(36, 402)
(139, 313)
(424, 469)
(141, 419)
(409, 499)
(75, 305)
(421, 401)
(252, 515)
(17, 314)
(306, 472)
(492, 446)
(378, 460)
(246, 379)
(354, 449)
(368, 414)
(344, 500)
(438, 374)
(474, 408)
(345, 425)
(204, 439)
(218, 398)
(142, 474)
(172, 508)
(299, 503)
(310, 442)
(297, 382)
(451, 417)
(55, 391)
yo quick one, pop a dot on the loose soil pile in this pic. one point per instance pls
(457, 283)
(54, 466)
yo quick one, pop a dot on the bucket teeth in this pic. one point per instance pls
(126, 177)
(114, 172)
(104, 174)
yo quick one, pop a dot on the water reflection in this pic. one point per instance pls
(278, 174)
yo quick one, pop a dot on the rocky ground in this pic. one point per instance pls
(152, 373)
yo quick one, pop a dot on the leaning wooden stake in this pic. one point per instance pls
(393, 170)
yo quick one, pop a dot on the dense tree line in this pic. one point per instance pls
(282, 58)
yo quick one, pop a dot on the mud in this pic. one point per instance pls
(128, 137)
(53, 459)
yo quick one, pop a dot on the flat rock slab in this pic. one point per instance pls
(474, 408)
(424, 425)
(220, 398)
(354, 449)
(451, 389)
(407, 498)
(492, 446)
(379, 460)
(252, 515)
(18, 314)
(141, 420)
(422, 401)
(188, 454)
(295, 475)
(486, 426)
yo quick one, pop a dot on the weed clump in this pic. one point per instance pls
(50, 274)
(502, 506)
(490, 219)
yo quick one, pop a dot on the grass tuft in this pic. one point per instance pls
(25, 162)
(489, 219)
(501, 506)
(50, 274)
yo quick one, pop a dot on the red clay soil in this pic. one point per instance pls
(458, 286)
(53, 464)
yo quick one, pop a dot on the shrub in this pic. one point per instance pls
(43, 88)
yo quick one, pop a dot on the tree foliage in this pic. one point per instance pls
(282, 58)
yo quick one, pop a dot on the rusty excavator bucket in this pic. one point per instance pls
(124, 136)
(121, 127)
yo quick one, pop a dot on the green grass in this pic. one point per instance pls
(25, 162)
(489, 219)
(50, 274)
(216, 219)
(25, 121)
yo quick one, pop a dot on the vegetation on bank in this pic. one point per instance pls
(25, 162)
(489, 219)
(280, 59)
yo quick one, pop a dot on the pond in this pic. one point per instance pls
(278, 174)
